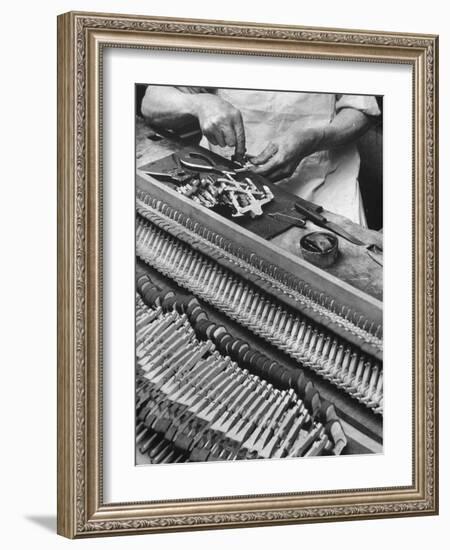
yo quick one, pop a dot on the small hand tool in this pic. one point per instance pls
(201, 163)
(322, 221)
(376, 253)
(295, 220)
(177, 176)
(240, 158)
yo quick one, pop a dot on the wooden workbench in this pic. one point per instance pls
(353, 265)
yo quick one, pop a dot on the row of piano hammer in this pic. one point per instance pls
(203, 394)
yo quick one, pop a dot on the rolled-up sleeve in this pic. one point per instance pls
(364, 103)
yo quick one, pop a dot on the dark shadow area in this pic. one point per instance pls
(46, 522)
(370, 147)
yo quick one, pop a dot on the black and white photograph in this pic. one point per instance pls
(247, 282)
(259, 274)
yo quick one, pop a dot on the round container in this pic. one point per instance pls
(319, 248)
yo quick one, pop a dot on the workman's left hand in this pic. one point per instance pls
(283, 154)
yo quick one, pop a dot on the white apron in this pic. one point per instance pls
(328, 178)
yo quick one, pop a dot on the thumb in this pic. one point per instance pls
(268, 152)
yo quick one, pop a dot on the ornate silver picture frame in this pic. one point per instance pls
(83, 511)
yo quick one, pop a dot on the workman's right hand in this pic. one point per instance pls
(220, 122)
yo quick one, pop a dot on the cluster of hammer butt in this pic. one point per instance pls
(204, 394)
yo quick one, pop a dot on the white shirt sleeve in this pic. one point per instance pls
(364, 103)
(194, 89)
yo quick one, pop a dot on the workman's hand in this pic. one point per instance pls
(220, 122)
(283, 154)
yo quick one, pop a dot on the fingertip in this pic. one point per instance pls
(230, 142)
(211, 140)
(240, 144)
(258, 170)
(259, 160)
